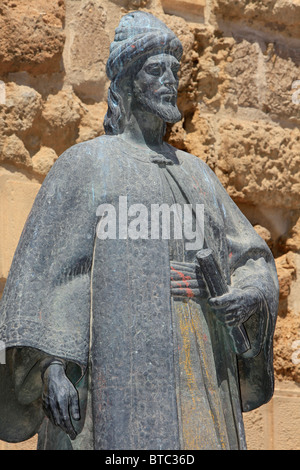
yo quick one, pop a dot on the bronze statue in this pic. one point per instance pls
(145, 341)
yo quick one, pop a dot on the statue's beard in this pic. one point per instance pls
(160, 105)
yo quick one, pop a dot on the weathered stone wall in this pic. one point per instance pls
(239, 95)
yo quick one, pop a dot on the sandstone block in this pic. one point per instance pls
(265, 234)
(91, 124)
(61, 116)
(282, 16)
(245, 80)
(13, 151)
(286, 272)
(254, 423)
(286, 417)
(281, 74)
(248, 147)
(87, 49)
(62, 109)
(31, 35)
(22, 106)
(275, 425)
(17, 194)
(43, 160)
(191, 10)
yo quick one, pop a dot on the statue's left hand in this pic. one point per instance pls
(60, 399)
(236, 306)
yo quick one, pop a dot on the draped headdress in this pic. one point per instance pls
(140, 34)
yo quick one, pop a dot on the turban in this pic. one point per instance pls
(140, 34)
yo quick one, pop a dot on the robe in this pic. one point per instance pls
(153, 370)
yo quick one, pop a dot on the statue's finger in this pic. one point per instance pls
(64, 421)
(188, 292)
(176, 275)
(74, 406)
(192, 284)
(67, 426)
(221, 302)
(55, 415)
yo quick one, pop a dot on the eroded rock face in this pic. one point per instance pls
(280, 16)
(14, 152)
(21, 108)
(260, 162)
(61, 116)
(87, 49)
(238, 95)
(31, 35)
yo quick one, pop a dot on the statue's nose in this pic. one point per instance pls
(168, 77)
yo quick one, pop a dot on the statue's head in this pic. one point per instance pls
(142, 66)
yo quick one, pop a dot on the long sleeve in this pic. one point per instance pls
(45, 308)
(251, 264)
(46, 300)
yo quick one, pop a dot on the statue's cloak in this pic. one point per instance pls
(106, 307)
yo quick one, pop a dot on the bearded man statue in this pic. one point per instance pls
(113, 337)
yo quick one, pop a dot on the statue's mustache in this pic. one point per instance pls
(167, 93)
(167, 90)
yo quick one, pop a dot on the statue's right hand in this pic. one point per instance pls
(60, 398)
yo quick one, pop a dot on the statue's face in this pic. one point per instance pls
(155, 87)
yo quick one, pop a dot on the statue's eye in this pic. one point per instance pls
(154, 70)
